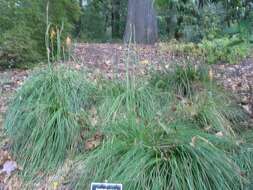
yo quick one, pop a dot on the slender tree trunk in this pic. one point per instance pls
(115, 19)
(79, 22)
(141, 22)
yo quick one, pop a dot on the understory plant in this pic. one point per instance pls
(46, 116)
(218, 50)
(226, 50)
(23, 26)
(18, 49)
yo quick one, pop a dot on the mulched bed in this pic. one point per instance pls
(239, 80)
(104, 58)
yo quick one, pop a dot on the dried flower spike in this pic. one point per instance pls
(52, 34)
(210, 74)
(68, 42)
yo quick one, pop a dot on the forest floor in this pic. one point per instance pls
(109, 59)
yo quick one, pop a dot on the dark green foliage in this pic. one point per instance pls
(25, 21)
(64, 11)
(211, 51)
(228, 50)
(188, 20)
(22, 35)
(18, 49)
(106, 20)
(93, 24)
(45, 118)
(103, 20)
(185, 20)
(195, 20)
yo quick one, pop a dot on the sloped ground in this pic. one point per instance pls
(108, 59)
(239, 80)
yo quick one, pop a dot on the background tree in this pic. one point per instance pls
(103, 20)
(141, 22)
(115, 18)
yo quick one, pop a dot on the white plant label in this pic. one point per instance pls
(106, 186)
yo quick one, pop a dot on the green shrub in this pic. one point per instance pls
(45, 119)
(22, 33)
(228, 50)
(22, 38)
(103, 21)
(93, 25)
(18, 49)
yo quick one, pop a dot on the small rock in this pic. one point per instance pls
(247, 108)
(9, 167)
(219, 134)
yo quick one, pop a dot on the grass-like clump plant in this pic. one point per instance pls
(191, 143)
(50, 112)
(182, 78)
(192, 93)
(122, 97)
(130, 95)
(179, 155)
(46, 116)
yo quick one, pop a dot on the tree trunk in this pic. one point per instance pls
(115, 19)
(141, 22)
(79, 22)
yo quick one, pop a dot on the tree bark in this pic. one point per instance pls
(79, 22)
(141, 22)
(115, 19)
